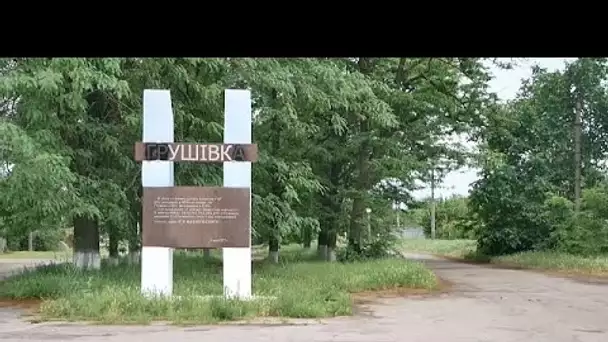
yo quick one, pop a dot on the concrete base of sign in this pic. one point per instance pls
(237, 272)
(157, 270)
(88, 260)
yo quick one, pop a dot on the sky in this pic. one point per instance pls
(505, 84)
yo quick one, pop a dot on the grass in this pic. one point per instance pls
(558, 262)
(298, 287)
(452, 248)
(67, 255)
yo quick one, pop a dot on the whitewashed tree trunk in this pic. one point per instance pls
(134, 257)
(87, 259)
(273, 256)
(3, 244)
(330, 254)
(323, 252)
(86, 243)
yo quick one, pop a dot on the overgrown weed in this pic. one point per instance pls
(297, 287)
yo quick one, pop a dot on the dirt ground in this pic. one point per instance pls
(483, 304)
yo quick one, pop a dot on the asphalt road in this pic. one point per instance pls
(484, 304)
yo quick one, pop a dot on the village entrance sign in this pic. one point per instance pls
(196, 216)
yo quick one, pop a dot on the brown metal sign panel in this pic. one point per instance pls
(198, 153)
(196, 217)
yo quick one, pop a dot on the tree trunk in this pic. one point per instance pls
(356, 224)
(398, 216)
(273, 249)
(357, 215)
(357, 220)
(274, 235)
(332, 237)
(331, 203)
(577, 155)
(433, 206)
(322, 242)
(30, 241)
(307, 242)
(86, 243)
(113, 238)
(135, 237)
(307, 238)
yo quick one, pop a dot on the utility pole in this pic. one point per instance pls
(398, 214)
(30, 241)
(578, 119)
(369, 222)
(433, 203)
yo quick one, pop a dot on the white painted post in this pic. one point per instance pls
(237, 130)
(157, 262)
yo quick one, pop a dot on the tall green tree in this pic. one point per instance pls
(550, 139)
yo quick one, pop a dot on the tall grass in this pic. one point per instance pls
(541, 260)
(298, 287)
(453, 248)
(556, 261)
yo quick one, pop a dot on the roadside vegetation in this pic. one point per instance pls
(560, 262)
(542, 195)
(555, 261)
(452, 248)
(300, 286)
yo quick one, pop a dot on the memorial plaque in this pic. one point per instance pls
(196, 217)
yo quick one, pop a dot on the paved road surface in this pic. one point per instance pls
(486, 304)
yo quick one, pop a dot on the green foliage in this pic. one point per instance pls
(510, 207)
(585, 232)
(379, 247)
(452, 248)
(524, 200)
(329, 130)
(452, 218)
(43, 240)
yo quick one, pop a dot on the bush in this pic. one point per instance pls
(383, 246)
(509, 204)
(452, 219)
(585, 233)
(519, 215)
